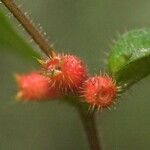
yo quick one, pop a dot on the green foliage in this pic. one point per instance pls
(10, 39)
(129, 60)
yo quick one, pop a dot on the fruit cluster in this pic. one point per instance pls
(63, 75)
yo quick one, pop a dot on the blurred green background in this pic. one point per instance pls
(85, 28)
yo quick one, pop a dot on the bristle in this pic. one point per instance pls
(19, 95)
(17, 77)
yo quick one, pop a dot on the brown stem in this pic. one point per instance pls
(88, 121)
(29, 27)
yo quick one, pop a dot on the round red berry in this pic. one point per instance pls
(34, 86)
(99, 91)
(67, 72)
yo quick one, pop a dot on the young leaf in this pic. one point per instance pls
(129, 60)
(10, 39)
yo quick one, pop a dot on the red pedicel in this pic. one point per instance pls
(34, 86)
(99, 91)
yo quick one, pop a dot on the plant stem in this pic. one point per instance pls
(88, 121)
(37, 36)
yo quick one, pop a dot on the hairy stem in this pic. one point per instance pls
(88, 121)
(37, 36)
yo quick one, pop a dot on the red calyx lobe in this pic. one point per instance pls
(99, 91)
(34, 86)
(67, 72)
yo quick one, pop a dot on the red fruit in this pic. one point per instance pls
(34, 86)
(99, 91)
(67, 72)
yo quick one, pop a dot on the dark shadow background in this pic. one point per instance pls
(85, 28)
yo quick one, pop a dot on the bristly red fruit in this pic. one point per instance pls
(67, 72)
(99, 91)
(34, 86)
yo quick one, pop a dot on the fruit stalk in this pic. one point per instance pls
(88, 121)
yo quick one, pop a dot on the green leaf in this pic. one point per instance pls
(11, 40)
(129, 60)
